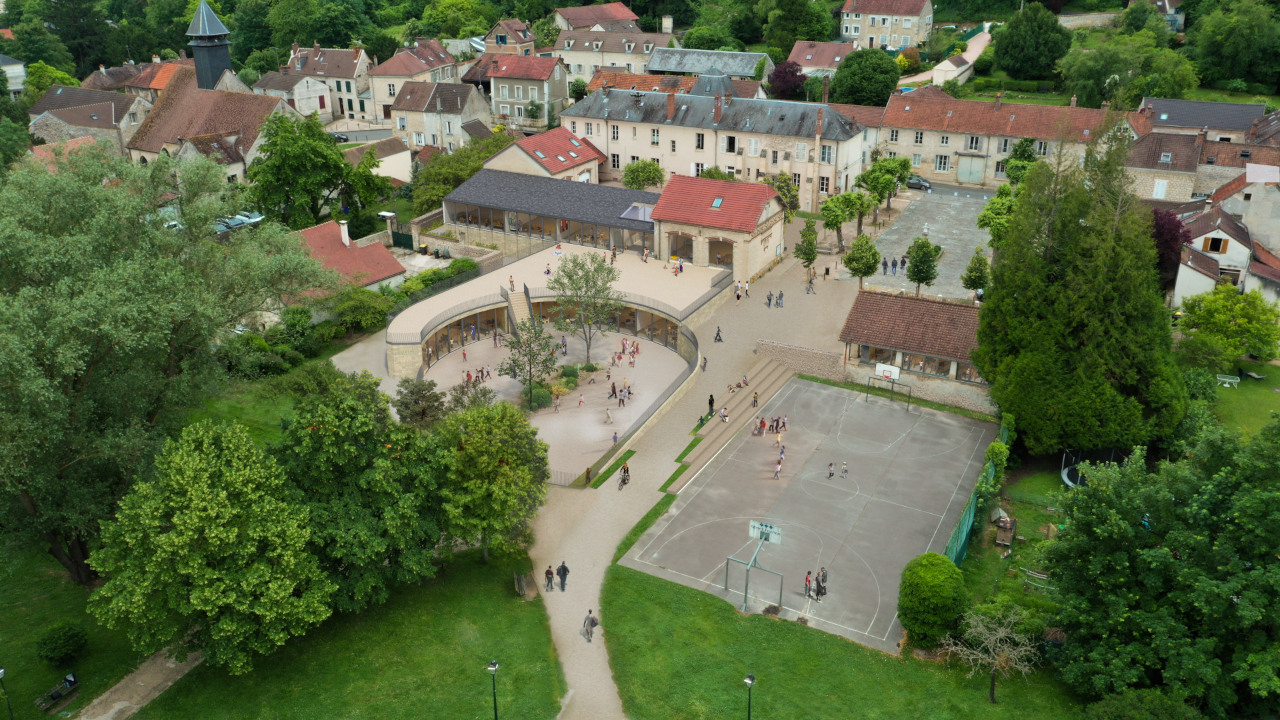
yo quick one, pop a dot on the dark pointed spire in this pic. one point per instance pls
(205, 23)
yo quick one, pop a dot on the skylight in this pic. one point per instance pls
(539, 154)
(1166, 157)
(575, 142)
(573, 154)
(716, 203)
(808, 57)
(837, 58)
(561, 158)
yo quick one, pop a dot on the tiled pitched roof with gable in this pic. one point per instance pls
(1200, 262)
(402, 64)
(361, 265)
(514, 28)
(217, 147)
(522, 67)
(808, 53)
(957, 61)
(865, 115)
(157, 76)
(60, 97)
(99, 115)
(769, 117)
(330, 62)
(111, 78)
(713, 203)
(1200, 114)
(1267, 265)
(910, 324)
(588, 15)
(916, 111)
(613, 42)
(1238, 154)
(284, 82)
(683, 60)
(663, 83)
(476, 129)
(186, 111)
(383, 148)
(908, 8)
(432, 52)
(1149, 152)
(559, 149)
(1216, 220)
(1230, 188)
(419, 96)
(48, 154)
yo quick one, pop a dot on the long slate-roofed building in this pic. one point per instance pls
(682, 61)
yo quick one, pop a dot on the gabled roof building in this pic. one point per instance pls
(613, 16)
(345, 71)
(556, 153)
(682, 61)
(586, 51)
(427, 114)
(65, 113)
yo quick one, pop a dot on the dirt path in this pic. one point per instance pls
(140, 687)
(977, 44)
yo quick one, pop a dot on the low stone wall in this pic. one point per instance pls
(379, 238)
(488, 260)
(805, 360)
(1087, 20)
(936, 389)
(404, 361)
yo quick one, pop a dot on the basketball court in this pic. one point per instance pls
(911, 472)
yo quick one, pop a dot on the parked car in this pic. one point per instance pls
(338, 137)
(917, 182)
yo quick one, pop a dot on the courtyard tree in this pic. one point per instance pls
(835, 211)
(1073, 335)
(494, 479)
(1220, 326)
(863, 258)
(578, 89)
(930, 598)
(996, 214)
(210, 554)
(788, 194)
(859, 206)
(922, 262)
(993, 644)
(1021, 157)
(106, 352)
(978, 274)
(298, 172)
(369, 484)
(418, 403)
(443, 173)
(806, 251)
(641, 174)
(1031, 43)
(865, 77)
(531, 354)
(586, 299)
(879, 184)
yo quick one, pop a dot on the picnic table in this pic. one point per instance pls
(1229, 381)
(59, 694)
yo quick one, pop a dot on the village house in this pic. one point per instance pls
(386, 79)
(16, 74)
(886, 23)
(509, 37)
(1163, 166)
(720, 223)
(681, 61)
(153, 78)
(556, 153)
(302, 92)
(820, 59)
(820, 149)
(1223, 121)
(364, 263)
(585, 51)
(677, 84)
(613, 16)
(395, 159)
(427, 114)
(953, 68)
(64, 113)
(523, 89)
(345, 72)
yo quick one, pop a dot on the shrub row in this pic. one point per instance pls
(1031, 86)
(251, 355)
(425, 284)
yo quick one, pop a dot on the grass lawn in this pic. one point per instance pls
(36, 593)
(422, 654)
(1026, 98)
(1248, 407)
(402, 207)
(1037, 488)
(680, 653)
(348, 146)
(1211, 95)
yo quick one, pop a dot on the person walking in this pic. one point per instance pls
(904, 262)
(777, 471)
(718, 338)
(768, 299)
(808, 582)
(894, 266)
(777, 302)
(608, 419)
(755, 399)
(555, 403)
(831, 470)
(551, 582)
(884, 264)
(746, 288)
(646, 255)
(711, 405)
(777, 439)
(589, 625)
(784, 422)
(737, 297)
(782, 453)
(613, 390)
(562, 572)
(581, 399)
(511, 280)
(844, 469)
(761, 427)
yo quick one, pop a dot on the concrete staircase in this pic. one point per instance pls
(519, 308)
(766, 377)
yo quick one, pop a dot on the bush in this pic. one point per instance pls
(590, 367)
(1147, 704)
(309, 380)
(931, 598)
(61, 642)
(1201, 384)
(541, 397)
(913, 59)
(362, 309)
(984, 63)
(569, 371)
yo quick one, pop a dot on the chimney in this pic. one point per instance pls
(1073, 101)
(826, 89)
(999, 98)
(315, 45)
(182, 54)
(1106, 105)
(346, 236)
(819, 131)
(719, 108)
(155, 59)
(667, 25)
(671, 106)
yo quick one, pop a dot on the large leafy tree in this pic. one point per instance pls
(101, 352)
(14, 143)
(299, 172)
(788, 194)
(250, 30)
(641, 174)
(369, 484)
(418, 403)
(996, 214)
(922, 262)
(41, 77)
(1126, 69)
(786, 80)
(82, 28)
(806, 251)
(1074, 336)
(1170, 237)
(586, 299)
(836, 211)
(863, 258)
(211, 554)
(35, 44)
(865, 77)
(444, 173)
(1239, 40)
(531, 354)
(494, 478)
(1221, 325)
(786, 21)
(1032, 42)
(1168, 577)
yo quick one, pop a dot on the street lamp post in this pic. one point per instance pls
(493, 673)
(6, 694)
(750, 681)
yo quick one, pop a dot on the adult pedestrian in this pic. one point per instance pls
(768, 299)
(784, 422)
(615, 435)
(562, 572)
(903, 263)
(724, 414)
(737, 297)
(551, 582)
(808, 582)
(718, 338)
(822, 573)
(555, 403)
(608, 419)
(819, 589)
(761, 427)
(778, 300)
(777, 470)
(511, 280)
(746, 288)
(844, 469)
(711, 405)
(782, 453)
(755, 399)
(894, 266)
(613, 390)
(589, 625)
(884, 264)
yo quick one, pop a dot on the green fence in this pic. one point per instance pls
(958, 544)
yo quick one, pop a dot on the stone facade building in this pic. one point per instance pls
(585, 51)
(302, 92)
(345, 72)
(64, 113)
(734, 225)
(427, 114)
(555, 154)
(886, 23)
(1163, 166)
(613, 16)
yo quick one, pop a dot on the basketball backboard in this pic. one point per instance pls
(766, 532)
(888, 372)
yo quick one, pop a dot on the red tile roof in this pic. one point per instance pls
(6, 33)
(1200, 262)
(559, 149)
(692, 200)
(588, 15)
(48, 154)
(911, 324)
(917, 111)
(328, 62)
(1238, 154)
(909, 8)
(157, 77)
(524, 67)
(1230, 188)
(1266, 257)
(865, 115)
(432, 52)
(1217, 221)
(808, 53)
(360, 265)
(1267, 265)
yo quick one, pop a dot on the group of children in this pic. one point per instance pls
(482, 374)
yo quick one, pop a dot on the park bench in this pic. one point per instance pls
(59, 694)
(1228, 381)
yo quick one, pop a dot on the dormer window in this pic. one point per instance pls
(631, 46)
(501, 39)
(648, 47)
(568, 44)
(1166, 157)
(595, 45)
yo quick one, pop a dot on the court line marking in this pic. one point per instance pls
(955, 490)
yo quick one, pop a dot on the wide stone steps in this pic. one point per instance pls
(519, 305)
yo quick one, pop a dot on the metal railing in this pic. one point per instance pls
(958, 543)
(434, 288)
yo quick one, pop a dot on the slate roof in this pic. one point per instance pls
(663, 83)
(697, 62)
(771, 117)
(559, 199)
(909, 8)
(6, 60)
(614, 42)
(1200, 262)
(808, 53)
(865, 115)
(205, 22)
(1148, 152)
(60, 97)
(430, 51)
(402, 64)
(328, 62)
(186, 111)
(1238, 154)
(420, 96)
(361, 265)
(558, 149)
(1266, 130)
(1198, 114)
(283, 82)
(588, 15)
(477, 129)
(711, 203)
(1216, 221)
(111, 78)
(384, 148)
(911, 324)
(1045, 122)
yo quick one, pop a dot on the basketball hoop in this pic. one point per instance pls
(887, 376)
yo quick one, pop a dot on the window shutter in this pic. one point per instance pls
(724, 143)
(1206, 244)
(1223, 247)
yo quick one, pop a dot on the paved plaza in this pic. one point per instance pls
(911, 472)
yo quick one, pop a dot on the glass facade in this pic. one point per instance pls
(543, 231)
(479, 326)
